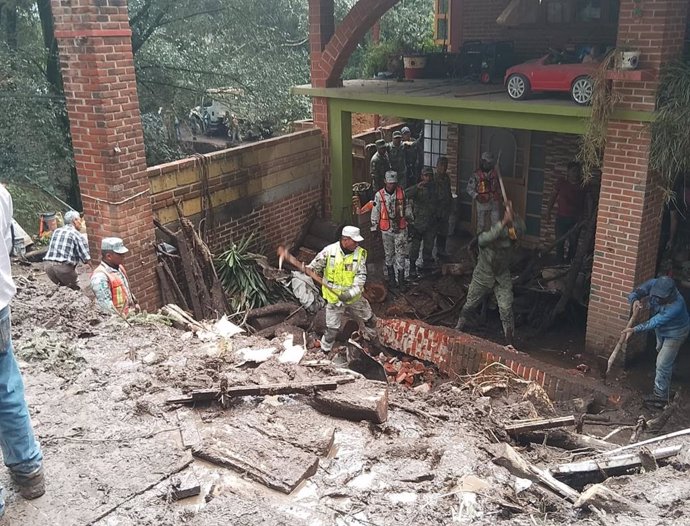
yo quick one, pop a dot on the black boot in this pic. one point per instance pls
(391, 277)
(413, 272)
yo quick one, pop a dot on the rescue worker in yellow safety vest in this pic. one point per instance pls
(343, 265)
(109, 280)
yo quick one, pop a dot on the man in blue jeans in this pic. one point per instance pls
(670, 321)
(20, 451)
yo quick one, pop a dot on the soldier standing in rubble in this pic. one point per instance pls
(423, 229)
(492, 272)
(411, 156)
(444, 204)
(396, 154)
(343, 265)
(389, 216)
(380, 164)
(484, 189)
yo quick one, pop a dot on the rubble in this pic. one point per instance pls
(422, 454)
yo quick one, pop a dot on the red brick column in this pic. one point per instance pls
(97, 65)
(630, 204)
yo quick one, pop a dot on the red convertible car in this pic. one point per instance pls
(553, 72)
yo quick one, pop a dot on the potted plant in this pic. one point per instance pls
(415, 59)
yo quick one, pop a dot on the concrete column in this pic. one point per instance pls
(94, 40)
(630, 204)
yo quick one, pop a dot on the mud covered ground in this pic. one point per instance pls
(97, 386)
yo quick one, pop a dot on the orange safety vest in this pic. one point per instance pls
(118, 288)
(487, 186)
(384, 220)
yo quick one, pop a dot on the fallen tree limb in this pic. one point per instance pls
(506, 456)
(626, 461)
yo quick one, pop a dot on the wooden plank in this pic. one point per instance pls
(524, 426)
(206, 395)
(661, 438)
(188, 430)
(270, 462)
(627, 461)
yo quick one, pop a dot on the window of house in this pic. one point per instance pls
(435, 141)
(582, 11)
(441, 21)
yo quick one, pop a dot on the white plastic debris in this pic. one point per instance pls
(247, 354)
(225, 328)
(520, 485)
(292, 353)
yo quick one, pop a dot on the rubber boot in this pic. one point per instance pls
(391, 278)
(509, 336)
(461, 324)
(441, 246)
(413, 272)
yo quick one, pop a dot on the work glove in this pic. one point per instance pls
(346, 295)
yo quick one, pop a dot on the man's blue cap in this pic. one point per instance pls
(663, 287)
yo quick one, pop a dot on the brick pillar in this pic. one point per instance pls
(321, 29)
(630, 203)
(97, 65)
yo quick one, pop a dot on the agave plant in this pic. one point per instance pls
(241, 277)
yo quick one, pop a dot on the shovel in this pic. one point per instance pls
(622, 344)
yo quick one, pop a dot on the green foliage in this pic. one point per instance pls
(670, 148)
(159, 139)
(242, 279)
(382, 57)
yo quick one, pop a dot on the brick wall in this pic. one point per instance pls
(94, 41)
(630, 203)
(267, 188)
(457, 353)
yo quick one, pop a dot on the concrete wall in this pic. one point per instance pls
(267, 188)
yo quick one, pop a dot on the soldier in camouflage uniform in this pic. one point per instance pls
(389, 216)
(379, 165)
(396, 154)
(424, 196)
(444, 204)
(411, 155)
(492, 272)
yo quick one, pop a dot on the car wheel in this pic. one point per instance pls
(581, 90)
(517, 86)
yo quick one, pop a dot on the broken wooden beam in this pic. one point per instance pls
(207, 395)
(618, 462)
(524, 426)
(506, 456)
(271, 462)
(566, 440)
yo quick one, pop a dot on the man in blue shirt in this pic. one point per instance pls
(670, 321)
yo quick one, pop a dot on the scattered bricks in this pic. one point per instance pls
(460, 353)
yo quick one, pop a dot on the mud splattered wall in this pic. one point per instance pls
(267, 188)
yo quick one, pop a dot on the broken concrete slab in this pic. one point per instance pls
(188, 430)
(268, 461)
(185, 486)
(359, 400)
